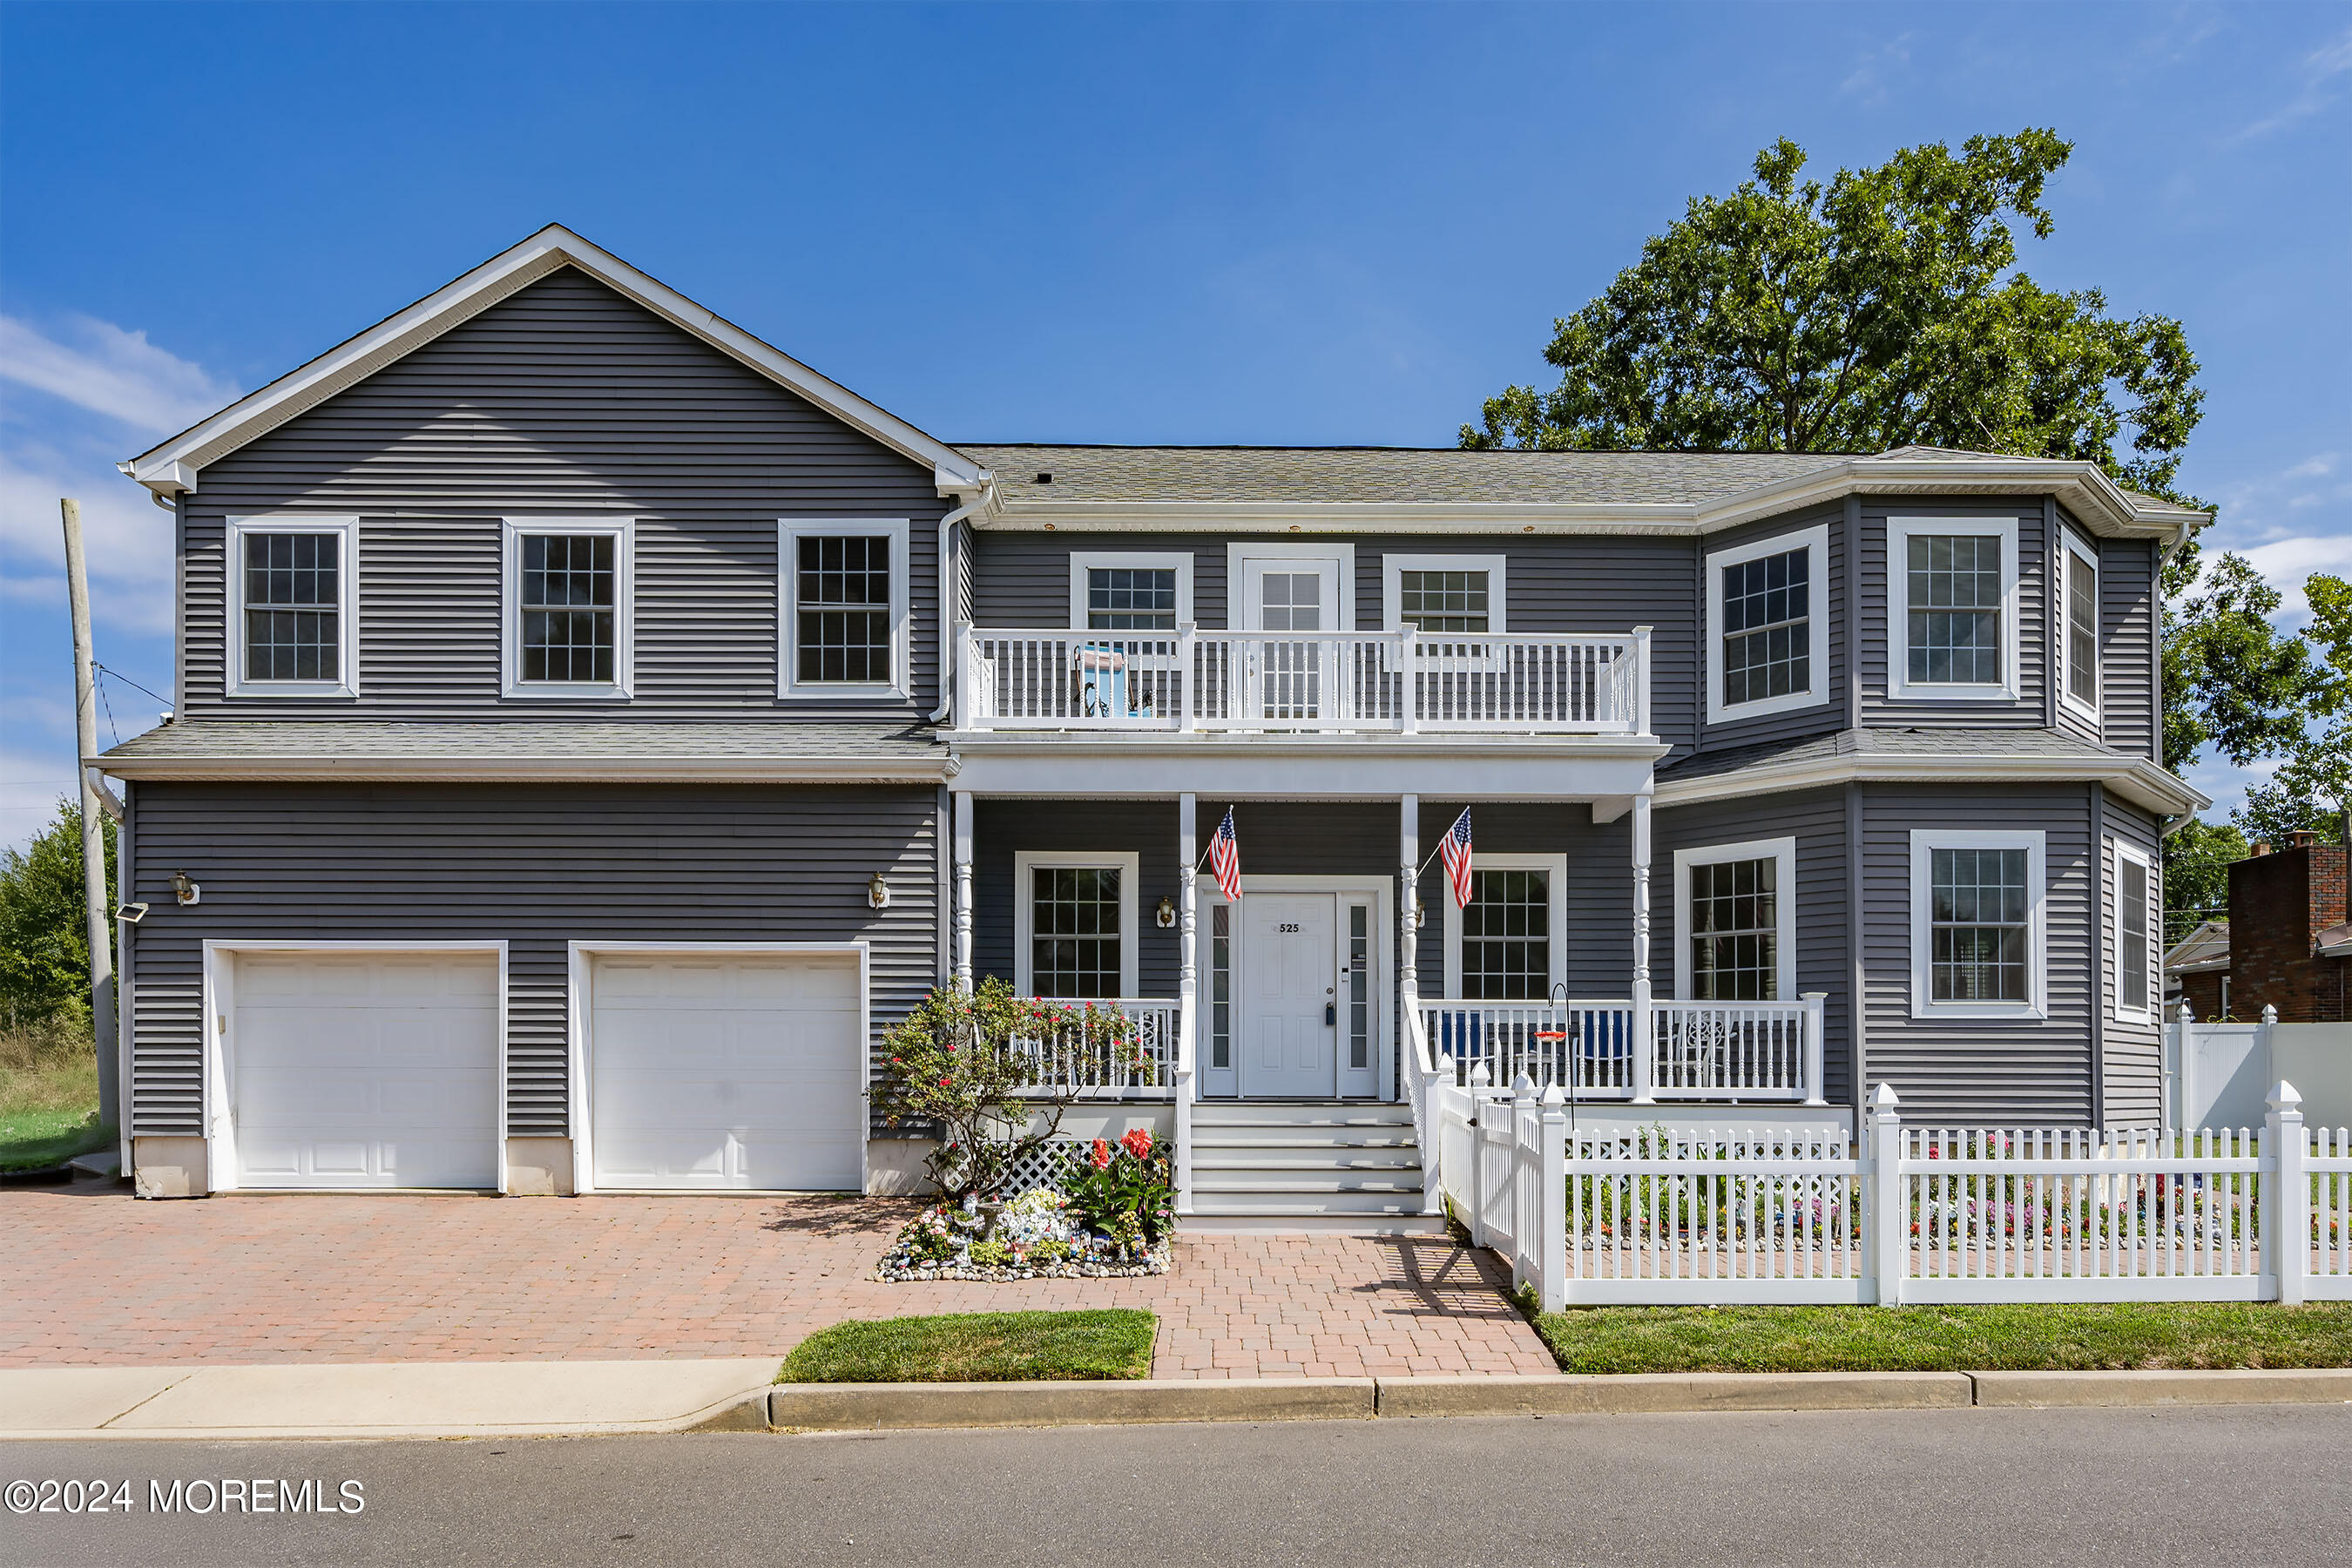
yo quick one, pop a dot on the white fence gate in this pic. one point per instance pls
(1910, 1215)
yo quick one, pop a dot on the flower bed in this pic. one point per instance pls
(1113, 1222)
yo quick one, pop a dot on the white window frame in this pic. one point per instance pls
(1128, 863)
(1239, 554)
(1082, 561)
(2070, 546)
(2133, 855)
(1815, 542)
(1392, 570)
(1556, 889)
(347, 600)
(1783, 853)
(1924, 842)
(1899, 686)
(513, 531)
(790, 532)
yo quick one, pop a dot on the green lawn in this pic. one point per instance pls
(978, 1347)
(31, 1139)
(1949, 1339)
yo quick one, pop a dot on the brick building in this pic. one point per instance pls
(2288, 943)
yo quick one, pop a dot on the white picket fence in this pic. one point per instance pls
(1909, 1215)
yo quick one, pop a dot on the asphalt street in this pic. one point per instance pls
(2244, 1484)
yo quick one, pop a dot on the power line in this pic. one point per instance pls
(128, 681)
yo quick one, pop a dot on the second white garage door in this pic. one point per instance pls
(726, 1072)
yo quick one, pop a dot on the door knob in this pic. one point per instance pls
(1330, 1015)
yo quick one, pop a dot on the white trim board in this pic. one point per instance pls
(346, 531)
(579, 1104)
(1127, 862)
(1900, 686)
(1341, 554)
(512, 531)
(1382, 891)
(1924, 841)
(899, 532)
(1815, 542)
(219, 997)
(1394, 566)
(1082, 561)
(1783, 853)
(1555, 867)
(2122, 853)
(176, 465)
(2070, 551)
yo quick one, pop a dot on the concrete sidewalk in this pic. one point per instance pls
(417, 1399)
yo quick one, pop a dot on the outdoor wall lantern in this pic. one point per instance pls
(185, 890)
(878, 893)
(1166, 913)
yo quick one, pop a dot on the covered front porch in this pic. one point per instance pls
(1346, 974)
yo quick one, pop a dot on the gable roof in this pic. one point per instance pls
(2202, 951)
(177, 464)
(1362, 488)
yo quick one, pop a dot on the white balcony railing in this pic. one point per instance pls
(1132, 1058)
(1397, 682)
(1698, 1050)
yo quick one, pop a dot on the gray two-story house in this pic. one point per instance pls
(594, 727)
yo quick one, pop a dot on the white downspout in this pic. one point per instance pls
(947, 565)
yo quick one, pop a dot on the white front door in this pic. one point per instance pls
(1290, 1024)
(1293, 593)
(720, 1071)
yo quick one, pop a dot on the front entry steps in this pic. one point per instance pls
(1280, 1165)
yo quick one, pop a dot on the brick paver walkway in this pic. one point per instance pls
(95, 1277)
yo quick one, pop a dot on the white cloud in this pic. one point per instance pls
(30, 783)
(127, 540)
(2323, 72)
(1869, 80)
(101, 367)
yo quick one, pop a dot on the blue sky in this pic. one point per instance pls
(1114, 223)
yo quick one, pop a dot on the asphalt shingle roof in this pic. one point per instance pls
(1983, 743)
(536, 740)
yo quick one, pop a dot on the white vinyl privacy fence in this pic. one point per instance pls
(1910, 1215)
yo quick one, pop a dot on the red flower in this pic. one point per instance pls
(1102, 1153)
(1138, 1143)
(943, 1083)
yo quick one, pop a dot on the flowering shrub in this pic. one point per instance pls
(959, 1063)
(1125, 1192)
(1039, 1232)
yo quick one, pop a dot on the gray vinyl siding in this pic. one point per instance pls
(563, 400)
(1828, 598)
(1979, 1070)
(2133, 1082)
(536, 864)
(1145, 828)
(1816, 820)
(1597, 959)
(1880, 642)
(2130, 610)
(1022, 579)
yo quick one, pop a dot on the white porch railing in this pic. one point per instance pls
(1397, 682)
(1132, 1060)
(1761, 1051)
(1904, 1215)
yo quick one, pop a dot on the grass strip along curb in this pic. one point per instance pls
(2037, 1337)
(979, 1348)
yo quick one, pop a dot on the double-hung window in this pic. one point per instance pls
(568, 612)
(1504, 945)
(2079, 658)
(1735, 905)
(1768, 626)
(1444, 596)
(1952, 608)
(293, 626)
(1976, 924)
(846, 615)
(1075, 925)
(2136, 922)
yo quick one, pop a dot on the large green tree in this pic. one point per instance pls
(1881, 310)
(43, 932)
(2312, 788)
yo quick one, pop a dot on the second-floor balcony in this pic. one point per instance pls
(1403, 682)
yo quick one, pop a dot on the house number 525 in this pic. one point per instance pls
(1287, 925)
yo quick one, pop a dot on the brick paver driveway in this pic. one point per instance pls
(96, 1278)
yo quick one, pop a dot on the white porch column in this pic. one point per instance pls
(1188, 995)
(962, 851)
(1408, 891)
(1644, 1039)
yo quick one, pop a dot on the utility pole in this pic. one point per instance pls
(93, 830)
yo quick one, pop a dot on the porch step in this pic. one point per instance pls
(1276, 1162)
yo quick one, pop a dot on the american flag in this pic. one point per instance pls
(1455, 852)
(1225, 857)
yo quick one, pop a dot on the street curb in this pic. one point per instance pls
(835, 1406)
(2224, 1385)
(1655, 1393)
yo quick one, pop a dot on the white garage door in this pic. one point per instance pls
(365, 1069)
(716, 1073)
